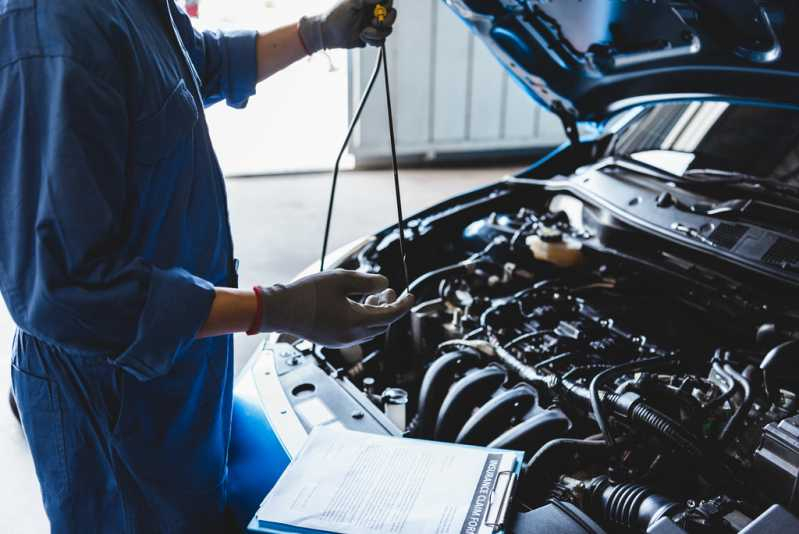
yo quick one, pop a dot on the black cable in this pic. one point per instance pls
(581, 369)
(400, 222)
(554, 359)
(527, 336)
(344, 145)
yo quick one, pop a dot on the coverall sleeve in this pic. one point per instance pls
(65, 197)
(226, 62)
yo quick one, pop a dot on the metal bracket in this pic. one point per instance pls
(500, 500)
(569, 122)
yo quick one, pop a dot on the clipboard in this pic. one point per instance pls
(501, 497)
(466, 492)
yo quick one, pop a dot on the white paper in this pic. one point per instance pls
(354, 483)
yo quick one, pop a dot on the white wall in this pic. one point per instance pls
(449, 94)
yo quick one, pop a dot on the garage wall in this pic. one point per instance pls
(448, 92)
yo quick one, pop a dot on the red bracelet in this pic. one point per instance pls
(302, 42)
(259, 308)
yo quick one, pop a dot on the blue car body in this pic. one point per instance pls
(588, 61)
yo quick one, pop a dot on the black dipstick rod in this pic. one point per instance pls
(350, 130)
(381, 63)
(400, 222)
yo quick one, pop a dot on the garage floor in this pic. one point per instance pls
(277, 227)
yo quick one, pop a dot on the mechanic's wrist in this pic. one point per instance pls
(231, 311)
(255, 323)
(310, 31)
(287, 309)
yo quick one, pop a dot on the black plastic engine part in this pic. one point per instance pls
(556, 517)
(542, 472)
(776, 462)
(531, 434)
(427, 331)
(630, 506)
(437, 380)
(780, 368)
(498, 415)
(464, 396)
(665, 525)
(775, 520)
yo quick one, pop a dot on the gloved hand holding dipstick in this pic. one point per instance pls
(349, 24)
(319, 308)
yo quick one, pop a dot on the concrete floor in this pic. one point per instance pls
(277, 227)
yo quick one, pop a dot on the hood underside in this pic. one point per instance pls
(586, 59)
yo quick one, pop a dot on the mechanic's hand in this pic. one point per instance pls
(349, 24)
(318, 308)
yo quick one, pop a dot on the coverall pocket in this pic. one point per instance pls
(40, 412)
(156, 136)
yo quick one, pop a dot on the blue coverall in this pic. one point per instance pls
(114, 233)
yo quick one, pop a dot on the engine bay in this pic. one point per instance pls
(646, 388)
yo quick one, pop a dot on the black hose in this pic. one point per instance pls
(743, 409)
(570, 443)
(601, 378)
(727, 393)
(645, 415)
(449, 269)
(582, 369)
(630, 506)
(540, 473)
(638, 412)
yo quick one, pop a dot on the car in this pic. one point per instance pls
(623, 310)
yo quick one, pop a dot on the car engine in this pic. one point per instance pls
(648, 389)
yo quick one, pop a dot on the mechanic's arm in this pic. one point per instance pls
(317, 308)
(230, 64)
(349, 24)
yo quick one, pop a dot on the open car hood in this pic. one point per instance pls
(586, 59)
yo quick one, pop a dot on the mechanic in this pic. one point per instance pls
(116, 259)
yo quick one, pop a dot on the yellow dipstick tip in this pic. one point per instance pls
(380, 12)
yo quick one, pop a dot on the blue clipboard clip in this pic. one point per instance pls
(500, 499)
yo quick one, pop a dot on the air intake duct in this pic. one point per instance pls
(630, 506)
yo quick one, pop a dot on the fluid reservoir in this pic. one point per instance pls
(395, 402)
(551, 245)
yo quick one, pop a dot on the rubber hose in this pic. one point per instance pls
(743, 409)
(645, 415)
(728, 393)
(631, 506)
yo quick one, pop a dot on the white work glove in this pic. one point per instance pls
(349, 24)
(319, 308)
